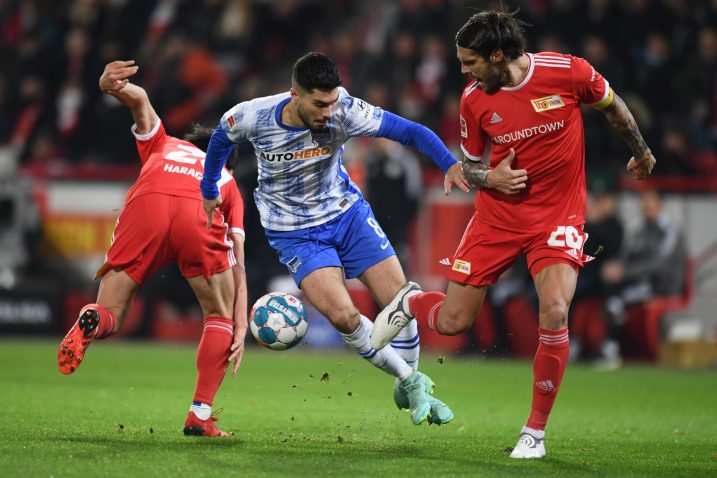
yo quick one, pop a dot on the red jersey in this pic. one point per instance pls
(174, 167)
(539, 118)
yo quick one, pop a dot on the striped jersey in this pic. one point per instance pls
(302, 181)
(540, 119)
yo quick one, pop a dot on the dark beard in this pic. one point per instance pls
(503, 79)
(307, 123)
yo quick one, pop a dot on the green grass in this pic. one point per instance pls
(121, 415)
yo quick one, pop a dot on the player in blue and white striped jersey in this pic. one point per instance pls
(315, 216)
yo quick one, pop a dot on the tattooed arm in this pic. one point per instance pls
(642, 161)
(502, 178)
(476, 173)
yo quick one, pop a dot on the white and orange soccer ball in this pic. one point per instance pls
(278, 321)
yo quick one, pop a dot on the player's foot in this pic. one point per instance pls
(417, 387)
(400, 398)
(393, 317)
(194, 426)
(440, 412)
(73, 346)
(529, 446)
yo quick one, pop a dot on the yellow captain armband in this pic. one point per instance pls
(605, 102)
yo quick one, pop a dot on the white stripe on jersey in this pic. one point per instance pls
(552, 61)
(606, 94)
(476, 159)
(551, 65)
(559, 59)
(471, 88)
(302, 182)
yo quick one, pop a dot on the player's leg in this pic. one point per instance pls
(326, 291)
(384, 279)
(98, 320)
(216, 296)
(555, 285)
(367, 254)
(482, 256)
(137, 251)
(205, 258)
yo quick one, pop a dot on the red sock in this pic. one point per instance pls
(425, 307)
(106, 325)
(212, 355)
(548, 369)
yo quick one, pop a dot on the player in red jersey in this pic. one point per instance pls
(163, 221)
(522, 138)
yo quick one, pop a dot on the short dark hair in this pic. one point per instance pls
(316, 71)
(199, 136)
(488, 31)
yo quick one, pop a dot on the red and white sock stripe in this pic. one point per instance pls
(222, 326)
(433, 315)
(554, 337)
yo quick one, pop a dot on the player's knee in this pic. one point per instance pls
(345, 319)
(554, 315)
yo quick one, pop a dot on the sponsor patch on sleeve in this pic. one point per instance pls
(464, 267)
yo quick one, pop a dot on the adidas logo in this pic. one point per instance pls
(495, 118)
(545, 385)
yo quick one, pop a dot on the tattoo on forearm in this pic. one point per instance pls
(622, 120)
(476, 173)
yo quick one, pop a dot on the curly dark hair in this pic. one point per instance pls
(491, 30)
(316, 71)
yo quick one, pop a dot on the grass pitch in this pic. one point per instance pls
(122, 413)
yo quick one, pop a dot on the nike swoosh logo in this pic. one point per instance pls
(385, 245)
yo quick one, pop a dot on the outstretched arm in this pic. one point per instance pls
(642, 161)
(219, 148)
(114, 81)
(427, 142)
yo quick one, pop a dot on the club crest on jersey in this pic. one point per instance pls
(320, 138)
(547, 103)
(464, 267)
(230, 121)
(294, 264)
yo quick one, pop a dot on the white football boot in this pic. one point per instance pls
(529, 446)
(393, 317)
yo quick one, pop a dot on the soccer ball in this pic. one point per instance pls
(278, 321)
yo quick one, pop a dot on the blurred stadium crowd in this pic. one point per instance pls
(197, 58)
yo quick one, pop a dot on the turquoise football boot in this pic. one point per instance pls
(418, 399)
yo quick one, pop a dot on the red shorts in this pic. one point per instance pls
(485, 252)
(156, 229)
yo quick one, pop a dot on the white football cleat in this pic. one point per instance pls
(394, 317)
(529, 446)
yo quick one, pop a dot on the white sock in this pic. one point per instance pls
(407, 344)
(536, 433)
(386, 359)
(201, 410)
